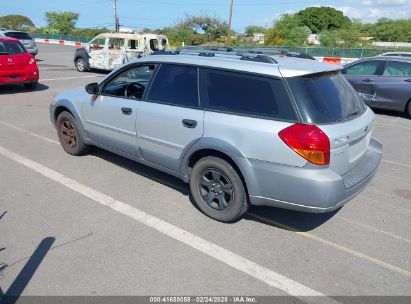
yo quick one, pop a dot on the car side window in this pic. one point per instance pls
(245, 94)
(176, 85)
(363, 68)
(115, 43)
(397, 68)
(97, 43)
(130, 83)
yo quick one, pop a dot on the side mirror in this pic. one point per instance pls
(92, 88)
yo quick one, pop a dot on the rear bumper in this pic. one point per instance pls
(310, 189)
(28, 75)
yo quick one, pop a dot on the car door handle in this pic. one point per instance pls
(408, 80)
(367, 80)
(188, 123)
(126, 111)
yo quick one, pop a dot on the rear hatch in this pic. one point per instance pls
(328, 101)
(24, 38)
(13, 60)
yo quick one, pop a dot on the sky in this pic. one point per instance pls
(140, 14)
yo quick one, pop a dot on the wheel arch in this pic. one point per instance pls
(65, 105)
(213, 147)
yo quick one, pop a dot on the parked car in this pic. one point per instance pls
(109, 50)
(396, 54)
(24, 38)
(383, 82)
(284, 132)
(17, 66)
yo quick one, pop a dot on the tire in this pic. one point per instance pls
(31, 85)
(218, 190)
(69, 135)
(81, 65)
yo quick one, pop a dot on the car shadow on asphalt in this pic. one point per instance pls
(16, 89)
(276, 217)
(143, 170)
(291, 220)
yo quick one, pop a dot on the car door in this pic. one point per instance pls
(110, 118)
(114, 53)
(170, 119)
(362, 77)
(97, 49)
(392, 89)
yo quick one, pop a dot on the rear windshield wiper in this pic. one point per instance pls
(4, 53)
(347, 117)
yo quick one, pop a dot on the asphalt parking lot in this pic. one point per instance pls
(103, 225)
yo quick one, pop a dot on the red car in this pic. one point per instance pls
(17, 66)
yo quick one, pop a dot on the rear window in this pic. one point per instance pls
(245, 94)
(11, 48)
(325, 98)
(18, 35)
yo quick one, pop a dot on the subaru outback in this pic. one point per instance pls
(241, 130)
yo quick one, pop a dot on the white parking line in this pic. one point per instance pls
(396, 163)
(68, 78)
(257, 271)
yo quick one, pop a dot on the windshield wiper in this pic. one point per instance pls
(347, 117)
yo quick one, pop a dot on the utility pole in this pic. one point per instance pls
(116, 23)
(228, 40)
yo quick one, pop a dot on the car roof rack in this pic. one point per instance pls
(245, 56)
(164, 52)
(258, 58)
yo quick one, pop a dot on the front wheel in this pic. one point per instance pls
(69, 135)
(408, 110)
(81, 65)
(218, 190)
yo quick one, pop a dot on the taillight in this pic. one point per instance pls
(309, 142)
(32, 60)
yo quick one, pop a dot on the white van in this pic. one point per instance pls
(109, 50)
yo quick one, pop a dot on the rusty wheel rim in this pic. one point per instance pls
(68, 134)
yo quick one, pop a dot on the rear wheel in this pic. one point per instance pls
(69, 135)
(81, 65)
(31, 85)
(218, 190)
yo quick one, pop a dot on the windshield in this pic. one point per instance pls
(325, 98)
(18, 35)
(11, 48)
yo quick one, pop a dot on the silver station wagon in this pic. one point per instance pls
(241, 130)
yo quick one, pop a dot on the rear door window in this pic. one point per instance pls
(325, 98)
(245, 94)
(397, 68)
(364, 68)
(175, 85)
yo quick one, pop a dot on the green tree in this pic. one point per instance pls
(290, 31)
(60, 22)
(252, 29)
(320, 19)
(211, 27)
(392, 30)
(16, 22)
